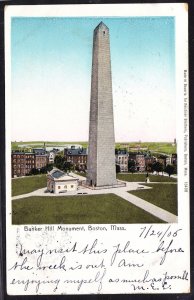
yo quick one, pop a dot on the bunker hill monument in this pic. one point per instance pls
(101, 152)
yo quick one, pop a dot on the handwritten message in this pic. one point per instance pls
(139, 263)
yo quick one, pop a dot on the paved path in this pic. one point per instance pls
(121, 192)
(148, 207)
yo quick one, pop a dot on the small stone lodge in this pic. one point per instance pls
(60, 182)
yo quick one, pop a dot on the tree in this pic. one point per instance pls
(46, 168)
(132, 169)
(170, 169)
(158, 167)
(59, 162)
(118, 168)
(131, 166)
(68, 166)
(150, 167)
(34, 171)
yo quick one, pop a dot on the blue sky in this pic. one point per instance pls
(51, 77)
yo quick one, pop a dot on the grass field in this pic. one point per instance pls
(162, 195)
(85, 209)
(142, 177)
(166, 148)
(27, 184)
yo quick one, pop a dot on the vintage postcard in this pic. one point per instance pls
(97, 149)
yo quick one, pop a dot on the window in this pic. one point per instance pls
(103, 33)
(59, 187)
(72, 186)
(65, 186)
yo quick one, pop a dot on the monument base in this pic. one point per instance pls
(118, 184)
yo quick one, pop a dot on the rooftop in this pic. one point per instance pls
(101, 25)
(78, 151)
(60, 175)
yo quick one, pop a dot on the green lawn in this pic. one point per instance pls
(162, 195)
(27, 184)
(85, 209)
(141, 178)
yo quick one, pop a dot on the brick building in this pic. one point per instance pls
(30, 162)
(18, 164)
(140, 162)
(41, 160)
(22, 163)
(77, 156)
(149, 160)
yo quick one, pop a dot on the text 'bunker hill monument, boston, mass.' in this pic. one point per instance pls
(101, 153)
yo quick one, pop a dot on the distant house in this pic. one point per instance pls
(41, 158)
(51, 156)
(60, 182)
(121, 157)
(77, 156)
(174, 159)
(149, 160)
(140, 162)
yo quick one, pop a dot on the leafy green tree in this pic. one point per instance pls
(132, 169)
(59, 162)
(68, 166)
(170, 169)
(149, 167)
(46, 168)
(34, 171)
(131, 166)
(158, 167)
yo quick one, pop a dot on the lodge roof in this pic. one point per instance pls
(57, 174)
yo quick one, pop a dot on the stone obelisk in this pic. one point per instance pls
(101, 169)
